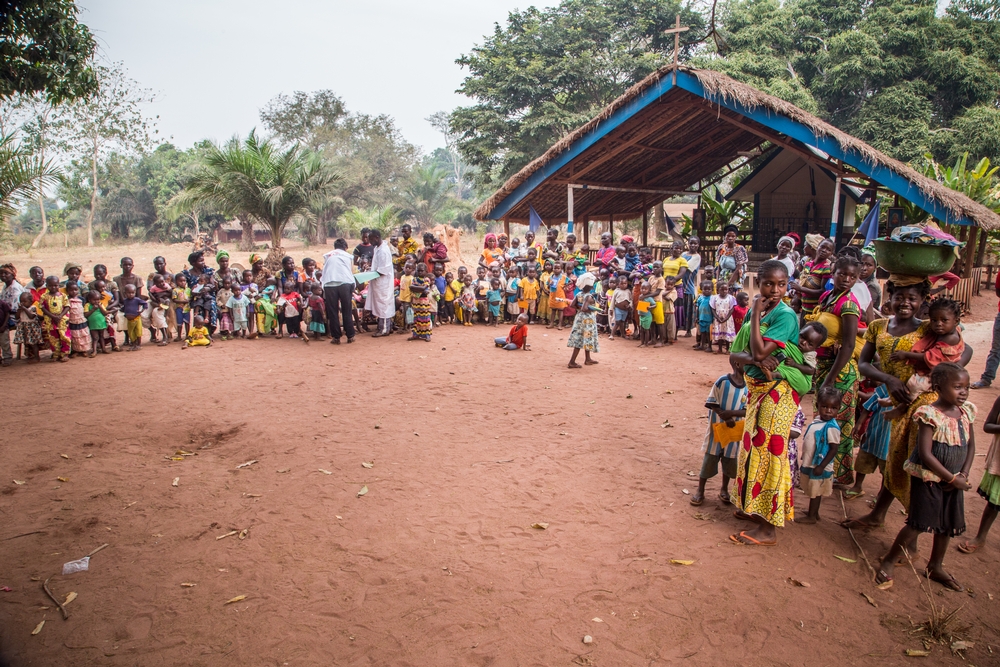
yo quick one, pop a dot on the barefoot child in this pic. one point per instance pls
(317, 310)
(989, 487)
(528, 296)
(180, 297)
(740, 309)
(517, 339)
(54, 307)
(621, 304)
(132, 308)
(726, 403)
(225, 315)
(79, 332)
(494, 299)
(703, 306)
(467, 300)
(818, 447)
(670, 319)
(239, 305)
(198, 336)
(939, 474)
(29, 330)
(583, 336)
(872, 431)
(159, 296)
(557, 296)
(645, 306)
(97, 321)
(723, 330)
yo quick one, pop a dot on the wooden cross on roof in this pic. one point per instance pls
(676, 31)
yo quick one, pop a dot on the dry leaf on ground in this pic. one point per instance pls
(325, 472)
(238, 598)
(846, 560)
(677, 561)
(796, 582)
(232, 532)
(597, 620)
(64, 456)
(38, 628)
(63, 479)
(540, 526)
(176, 482)
(69, 598)
(248, 463)
(870, 599)
(363, 491)
(367, 464)
(187, 585)
(587, 639)
(917, 653)
(243, 533)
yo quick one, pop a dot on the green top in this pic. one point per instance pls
(781, 325)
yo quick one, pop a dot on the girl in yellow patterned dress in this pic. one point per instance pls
(54, 306)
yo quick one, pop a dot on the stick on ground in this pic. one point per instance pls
(45, 587)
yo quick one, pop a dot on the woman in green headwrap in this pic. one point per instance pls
(222, 259)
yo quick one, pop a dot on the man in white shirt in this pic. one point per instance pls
(381, 299)
(338, 291)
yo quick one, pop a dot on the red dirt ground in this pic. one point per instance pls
(438, 564)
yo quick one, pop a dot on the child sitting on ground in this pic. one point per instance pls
(517, 339)
(726, 405)
(818, 446)
(198, 335)
(942, 343)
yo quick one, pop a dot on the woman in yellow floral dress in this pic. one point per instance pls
(898, 333)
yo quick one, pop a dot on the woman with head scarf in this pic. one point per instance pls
(786, 244)
(491, 252)
(224, 270)
(814, 273)
(259, 274)
(730, 257)
(202, 277)
(72, 271)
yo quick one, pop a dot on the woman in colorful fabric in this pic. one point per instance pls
(491, 253)
(898, 333)
(204, 276)
(811, 283)
(54, 306)
(730, 257)
(838, 310)
(605, 254)
(420, 303)
(764, 478)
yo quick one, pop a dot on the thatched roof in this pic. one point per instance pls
(660, 138)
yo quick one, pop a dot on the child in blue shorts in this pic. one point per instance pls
(704, 308)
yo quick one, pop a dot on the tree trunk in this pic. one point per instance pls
(273, 260)
(657, 225)
(321, 229)
(246, 238)
(93, 197)
(45, 221)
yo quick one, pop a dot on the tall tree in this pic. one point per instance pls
(110, 119)
(41, 136)
(45, 50)
(549, 70)
(426, 195)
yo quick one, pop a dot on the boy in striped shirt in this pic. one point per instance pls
(727, 406)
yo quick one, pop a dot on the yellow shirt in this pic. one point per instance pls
(671, 266)
(529, 289)
(668, 299)
(449, 293)
(197, 333)
(456, 290)
(657, 283)
(404, 288)
(543, 280)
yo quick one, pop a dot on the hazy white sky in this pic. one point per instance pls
(214, 63)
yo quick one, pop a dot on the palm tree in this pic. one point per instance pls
(426, 195)
(22, 177)
(255, 182)
(383, 218)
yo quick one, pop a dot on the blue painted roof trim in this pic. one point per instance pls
(687, 81)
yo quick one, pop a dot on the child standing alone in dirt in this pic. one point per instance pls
(819, 445)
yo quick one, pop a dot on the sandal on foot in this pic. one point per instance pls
(697, 501)
(967, 548)
(883, 581)
(851, 494)
(724, 497)
(750, 541)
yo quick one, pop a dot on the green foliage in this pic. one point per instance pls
(255, 180)
(368, 152)
(44, 49)
(22, 177)
(383, 218)
(426, 196)
(549, 70)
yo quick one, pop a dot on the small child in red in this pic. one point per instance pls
(517, 339)
(740, 309)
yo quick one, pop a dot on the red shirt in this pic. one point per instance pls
(739, 313)
(518, 335)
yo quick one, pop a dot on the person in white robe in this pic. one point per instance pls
(381, 299)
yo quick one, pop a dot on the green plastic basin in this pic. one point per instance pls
(914, 259)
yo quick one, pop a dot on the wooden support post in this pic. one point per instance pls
(611, 227)
(506, 227)
(645, 226)
(835, 216)
(569, 209)
(981, 253)
(586, 231)
(970, 253)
